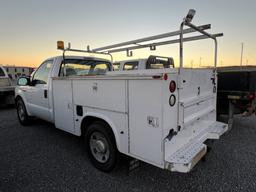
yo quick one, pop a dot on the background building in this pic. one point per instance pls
(14, 71)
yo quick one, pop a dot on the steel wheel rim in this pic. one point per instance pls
(99, 147)
(21, 112)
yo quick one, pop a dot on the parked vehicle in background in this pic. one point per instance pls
(6, 88)
(152, 62)
(236, 90)
(14, 72)
(162, 115)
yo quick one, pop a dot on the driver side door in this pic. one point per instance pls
(38, 93)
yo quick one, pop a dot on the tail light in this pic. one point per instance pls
(172, 86)
(251, 96)
(165, 76)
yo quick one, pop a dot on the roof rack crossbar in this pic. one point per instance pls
(151, 38)
(85, 51)
(194, 38)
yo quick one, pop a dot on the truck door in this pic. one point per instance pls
(38, 93)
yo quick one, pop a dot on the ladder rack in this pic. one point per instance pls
(128, 46)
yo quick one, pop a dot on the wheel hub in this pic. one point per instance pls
(99, 147)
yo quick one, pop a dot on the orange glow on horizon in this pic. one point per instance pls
(196, 54)
(190, 60)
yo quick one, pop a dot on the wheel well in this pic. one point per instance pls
(88, 120)
(17, 98)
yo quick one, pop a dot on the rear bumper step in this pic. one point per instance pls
(187, 156)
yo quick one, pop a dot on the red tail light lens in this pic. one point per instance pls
(165, 76)
(172, 86)
(251, 96)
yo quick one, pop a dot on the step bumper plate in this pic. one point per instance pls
(186, 157)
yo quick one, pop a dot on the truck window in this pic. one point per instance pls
(79, 67)
(116, 66)
(42, 73)
(159, 63)
(131, 65)
(1, 73)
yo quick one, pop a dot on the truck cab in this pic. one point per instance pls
(36, 91)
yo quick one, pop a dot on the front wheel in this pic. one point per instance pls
(101, 146)
(23, 117)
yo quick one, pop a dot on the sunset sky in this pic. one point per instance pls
(29, 29)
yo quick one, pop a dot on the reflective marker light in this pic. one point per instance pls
(60, 45)
(172, 100)
(172, 86)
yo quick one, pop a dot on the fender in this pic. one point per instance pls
(110, 123)
(19, 92)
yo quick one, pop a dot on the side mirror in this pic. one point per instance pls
(23, 81)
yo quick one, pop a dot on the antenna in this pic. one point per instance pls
(242, 51)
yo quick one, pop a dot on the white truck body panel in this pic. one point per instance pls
(105, 94)
(145, 104)
(196, 95)
(135, 104)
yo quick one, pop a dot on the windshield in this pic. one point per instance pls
(116, 66)
(79, 67)
(154, 62)
(131, 65)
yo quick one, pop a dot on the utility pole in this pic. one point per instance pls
(242, 50)
(191, 63)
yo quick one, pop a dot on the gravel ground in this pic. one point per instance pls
(42, 158)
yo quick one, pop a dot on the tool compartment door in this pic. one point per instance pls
(145, 120)
(197, 99)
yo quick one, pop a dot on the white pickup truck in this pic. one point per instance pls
(152, 62)
(159, 116)
(6, 88)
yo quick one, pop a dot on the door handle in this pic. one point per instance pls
(45, 94)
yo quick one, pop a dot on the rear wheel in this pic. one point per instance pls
(23, 117)
(101, 146)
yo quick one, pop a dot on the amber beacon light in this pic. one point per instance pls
(60, 44)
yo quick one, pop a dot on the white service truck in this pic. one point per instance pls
(6, 88)
(159, 116)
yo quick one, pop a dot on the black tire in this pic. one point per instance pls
(23, 116)
(101, 146)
